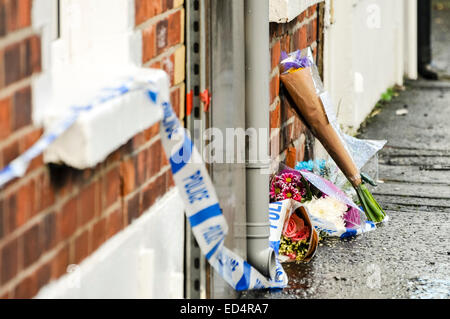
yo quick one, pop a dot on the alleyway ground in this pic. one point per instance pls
(409, 257)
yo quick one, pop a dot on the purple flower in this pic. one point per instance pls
(276, 190)
(294, 61)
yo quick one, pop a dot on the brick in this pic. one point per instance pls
(48, 232)
(286, 43)
(26, 142)
(133, 208)
(300, 38)
(140, 171)
(67, 219)
(81, 247)
(291, 156)
(302, 16)
(10, 207)
(25, 203)
(2, 219)
(174, 24)
(162, 33)
(128, 174)
(149, 43)
(111, 187)
(3, 26)
(2, 66)
(275, 117)
(98, 234)
(5, 117)
(168, 65)
(170, 182)
(154, 159)
(146, 9)
(286, 136)
(311, 10)
(175, 100)
(114, 223)
(276, 54)
(275, 30)
(311, 32)
(12, 64)
(31, 246)
(22, 108)
(155, 65)
(27, 288)
(24, 13)
(164, 160)
(10, 261)
(44, 191)
(88, 199)
(151, 132)
(149, 196)
(60, 262)
(167, 5)
(33, 55)
(299, 127)
(18, 14)
(10, 152)
(138, 140)
(140, 9)
(274, 87)
(43, 275)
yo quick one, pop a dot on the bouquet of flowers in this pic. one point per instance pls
(287, 185)
(331, 211)
(292, 234)
(307, 92)
(294, 241)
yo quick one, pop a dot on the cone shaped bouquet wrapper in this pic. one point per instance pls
(301, 88)
(314, 238)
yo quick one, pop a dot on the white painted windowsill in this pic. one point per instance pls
(107, 126)
(283, 11)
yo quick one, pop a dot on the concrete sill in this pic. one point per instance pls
(283, 11)
(106, 127)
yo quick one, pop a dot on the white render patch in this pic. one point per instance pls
(107, 126)
(94, 37)
(143, 261)
(283, 11)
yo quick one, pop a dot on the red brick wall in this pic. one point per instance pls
(289, 136)
(56, 216)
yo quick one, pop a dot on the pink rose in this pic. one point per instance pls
(292, 256)
(296, 229)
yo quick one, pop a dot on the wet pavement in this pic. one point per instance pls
(409, 256)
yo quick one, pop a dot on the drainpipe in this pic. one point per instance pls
(257, 61)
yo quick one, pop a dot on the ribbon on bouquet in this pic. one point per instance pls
(191, 178)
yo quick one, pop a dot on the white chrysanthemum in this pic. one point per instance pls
(329, 209)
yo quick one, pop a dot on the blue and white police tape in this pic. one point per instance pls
(191, 178)
(202, 207)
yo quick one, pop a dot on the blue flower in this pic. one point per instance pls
(317, 165)
(309, 166)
